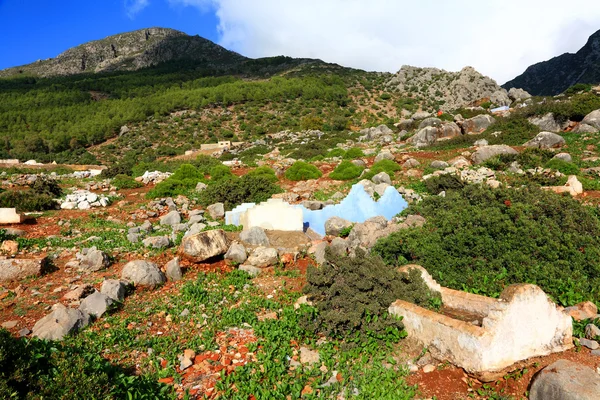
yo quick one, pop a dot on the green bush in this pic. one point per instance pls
(437, 184)
(301, 171)
(336, 153)
(46, 186)
(516, 130)
(117, 169)
(353, 153)
(220, 172)
(182, 181)
(27, 200)
(352, 295)
(480, 239)
(388, 166)
(264, 172)
(37, 369)
(562, 166)
(346, 171)
(232, 192)
(125, 182)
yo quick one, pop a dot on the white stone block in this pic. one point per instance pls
(10, 216)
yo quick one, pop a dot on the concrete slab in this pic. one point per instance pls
(10, 216)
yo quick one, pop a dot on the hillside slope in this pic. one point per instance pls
(554, 76)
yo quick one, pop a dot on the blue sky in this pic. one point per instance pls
(499, 39)
(39, 29)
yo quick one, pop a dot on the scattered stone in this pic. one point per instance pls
(546, 123)
(425, 137)
(9, 324)
(339, 247)
(335, 225)
(200, 186)
(428, 368)
(411, 163)
(134, 237)
(546, 140)
(173, 270)
(255, 236)
(564, 157)
(250, 269)
(96, 304)
(236, 253)
(308, 356)
(477, 124)
(143, 273)
(24, 332)
(565, 380)
(157, 242)
(13, 269)
(204, 245)
(384, 155)
(216, 211)
(590, 344)
(592, 331)
(581, 311)
(382, 177)
(60, 322)
(113, 288)
(79, 292)
(172, 218)
(486, 152)
(93, 260)
(9, 248)
(480, 143)
(593, 120)
(318, 251)
(439, 164)
(263, 257)
(518, 94)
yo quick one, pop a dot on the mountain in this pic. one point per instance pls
(450, 90)
(554, 76)
(131, 51)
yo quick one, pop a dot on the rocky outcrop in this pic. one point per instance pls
(455, 89)
(204, 245)
(546, 140)
(477, 124)
(486, 152)
(554, 76)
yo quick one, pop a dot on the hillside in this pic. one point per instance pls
(129, 52)
(554, 76)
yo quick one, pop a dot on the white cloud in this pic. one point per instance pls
(134, 7)
(500, 38)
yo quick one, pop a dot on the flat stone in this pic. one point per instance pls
(590, 344)
(250, 269)
(9, 324)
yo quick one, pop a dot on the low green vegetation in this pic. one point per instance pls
(387, 166)
(301, 171)
(353, 153)
(184, 179)
(481, 240)
(39, 197)
(122, 181)
(235, 191)
(346, 171)
(264, 172)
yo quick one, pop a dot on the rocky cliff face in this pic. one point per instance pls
(131, 51)
(554, 76)
(454, 89)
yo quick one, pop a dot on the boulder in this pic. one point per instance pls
(546, 140)
(236, 253)
(421, 115)
(406, 124)
(592, 331)
(94, 260)
(216, 211)
(564, 157)
(173, 270)
(172, 218)
(143, 273)
(384, 155)
(565, 380)
(204, 245)
(382, 177)
(500, 98)
(425, 137)
(262, 257)
(518, 94)
(338, 247)
(592, 119)
(250, 269)
(437, 164)
(334, 225)
(96, 304)
(485, 152)
(477, 124)
(113, 288)
(581, 311)
(448, 130)
(255, 236)
(318, 251)
(585, 128)
(157, 242)
(546, 123)
(13, 269)
(60, 322)
(411, 163)
(431, 121)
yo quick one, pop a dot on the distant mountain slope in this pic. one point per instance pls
(559, 73)
(131, 51)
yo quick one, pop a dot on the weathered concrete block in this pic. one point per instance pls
(13, 269)
(10, 216)
(274, 214)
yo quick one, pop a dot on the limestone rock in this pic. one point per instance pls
(172, 218)
(263, 257)
(425, 137)
(96, 304)
(581, 311)
(592, 331)
(157, 242)
(236, 253)
(518, 94)
(486, 152)
(564, 157)
(216, 211)
(250, 269)
(13, 269)
(94, 260)
(204, 245)
(546, 123)
(173, 270)
(477, 124)
(255, 236)
(113, 288)
(339, 246)
(60, 322)
(334, 225)
(437, 164)
(318, 251)
(546, 140)
(431, 121)
(143, 273)
(592, 119)
(384, 155)
(565, 380)
(382, 177)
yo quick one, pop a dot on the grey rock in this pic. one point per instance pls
(411, 163)
(546, 123)
(236, 253)
(180, 228)
(255, 236)
(585, 128)
(486, 152)
(60, 322)
(500, 98)
(216, 211)
(425, 137)
(94, 260)
(565, 380)
(172, 218)
(480, 143)
(334, 225)
(421, 115)
(546, 140)
(338, 247)
(24, 332)
(194, 219)
(592, 119)
(15, 232)
(157, 242)
(437, 164)
(146, 227)
(564, 157)
(13, 269)
(590, 344)
(250, 269)
(96, 304)
(113, 288)
(406, 124)
(133, 237)
(431, 121)
(200, 186)
(592, 331)
(196, 228)
(319, 252)
(518, 94)
(204, 245)
(448, 130)
(313, 205)
(477, 124)
(143, 273)
(359, 163)
(382, 177)
(173, 270)
(262, 257)
(384, 155)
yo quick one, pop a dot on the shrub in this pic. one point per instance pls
(301, 171)
(232, 192)
(264, 172)
(125, 182)
(220, 172)
(354, 153)
(336, 153)
(352, 295)
(481, 239)
(46, 186)
(204, 163)
(387, 166)
(562, 166)
(437, 184)
(531, 157)
(117, 169)
(346, 171)
(183, 180)
(516, 130)
(27, 200)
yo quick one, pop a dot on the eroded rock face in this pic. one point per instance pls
(60, 322)
(143, 273)
(546, 123)
(477, 124)
(565, 380)
(204, 245)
